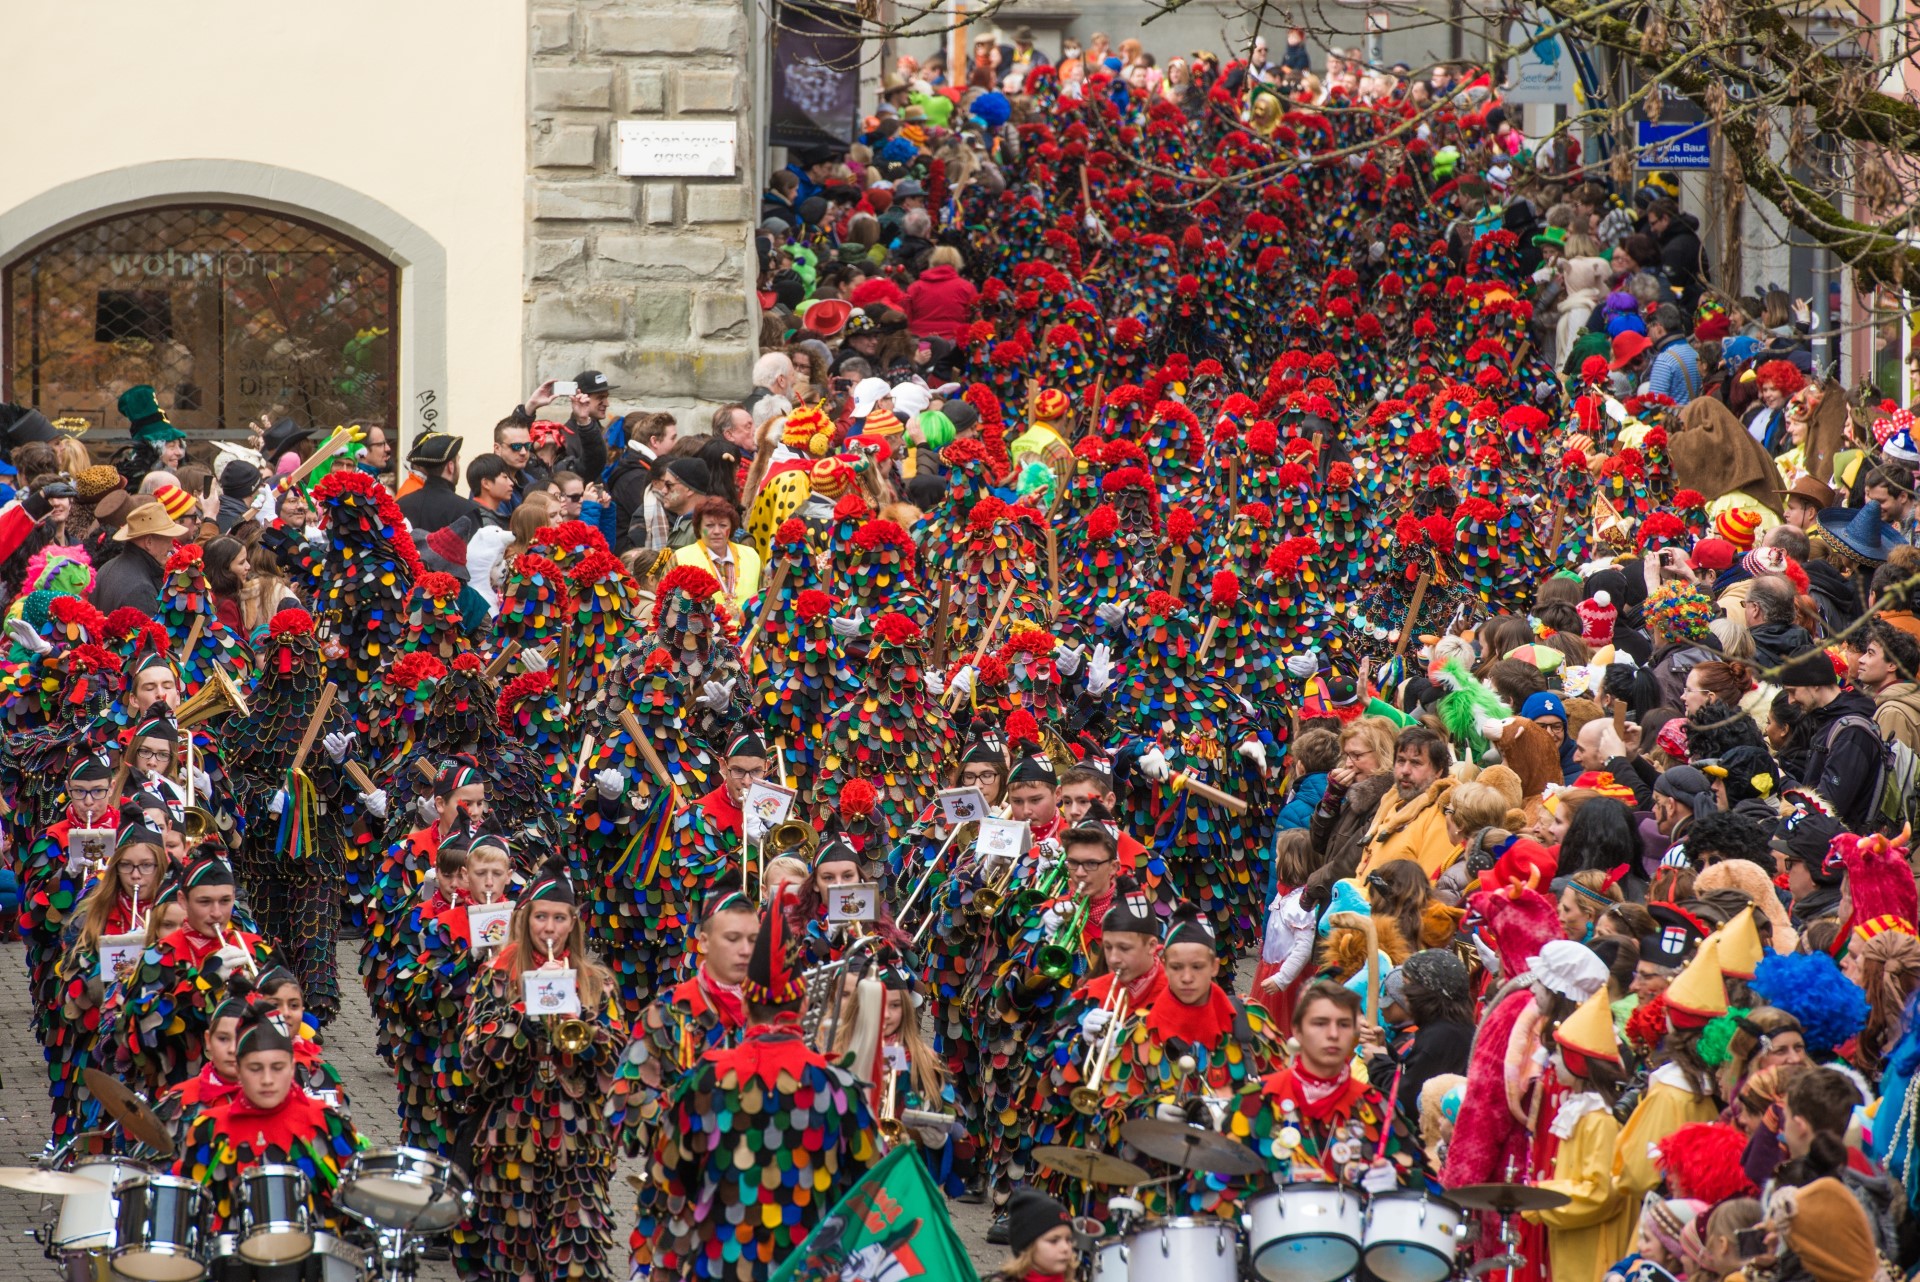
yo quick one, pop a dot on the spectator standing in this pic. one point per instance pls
(134, 576)
(940, 303)
(435, 505)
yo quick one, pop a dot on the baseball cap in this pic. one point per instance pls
(592, 382)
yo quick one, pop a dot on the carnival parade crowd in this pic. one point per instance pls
(1257, 639)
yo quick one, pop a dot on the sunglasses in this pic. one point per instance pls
(519, 448)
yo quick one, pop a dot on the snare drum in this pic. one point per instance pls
(1307, 1232)
(276, 1223)
(161, 1237)
(86, 1219)
(1411, 1237)
(404, 1188)
(1186, 1249)
(330, 1260)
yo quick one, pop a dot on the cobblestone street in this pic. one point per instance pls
(23, 1119)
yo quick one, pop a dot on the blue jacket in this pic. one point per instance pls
(1296, 813)
(600, 517)
(1676, 370)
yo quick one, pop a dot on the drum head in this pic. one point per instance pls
(1306, 1259)
(1406, 1262)
(277, 1245)
(398, 1201)
(155, 1265)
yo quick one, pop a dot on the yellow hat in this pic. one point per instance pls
(1589, 1030)
(1699, 994)
(1740, 951)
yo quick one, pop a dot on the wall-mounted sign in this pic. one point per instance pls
(675, 149)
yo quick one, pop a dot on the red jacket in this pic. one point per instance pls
(938, 304)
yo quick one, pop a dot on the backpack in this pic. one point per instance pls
(1898, 789)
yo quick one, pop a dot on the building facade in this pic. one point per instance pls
(404, 213)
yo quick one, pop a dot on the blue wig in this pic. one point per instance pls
(1809, 986)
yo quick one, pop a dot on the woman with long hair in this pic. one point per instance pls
(1887, 968)
(1765, 1037)
(539, 1144)
(114, 909)
(1604, 836)
(267, 590)
(227, 570)
(1399, 890)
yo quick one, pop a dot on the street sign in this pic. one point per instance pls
(1672, 146)
(1543, 71)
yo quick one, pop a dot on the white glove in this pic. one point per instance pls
(1100, 670)
(336, 745)
(936, 684)
(1153, 764)
(1093, 1023)
(1109, 613)
(375, 802)
(233, 959)
(1255, 751)
(716, 695)
(29, 640)
(962, 681)
(1067, 658)
(1377, 252)
(1050, 920)
(202, 783)
(848, 625)
(428, 811)
(279, 802)
(1303, 666)
(533, 660)
(753, 827)
(610, 782)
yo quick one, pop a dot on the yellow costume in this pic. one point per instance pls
(746, 566)
(1669, 1104)
(1596, 1228)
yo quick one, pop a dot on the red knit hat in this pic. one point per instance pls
(1596, 619)
(1737, 526)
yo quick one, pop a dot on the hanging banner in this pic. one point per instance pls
(1543, 71)
(816, 76)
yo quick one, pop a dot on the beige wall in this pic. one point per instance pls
(419, 105)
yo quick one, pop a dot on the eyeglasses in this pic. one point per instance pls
(518, 447)
(574, 497)
(1087, 865)
(90, 794)
(143, 866)
(746, 774)
(146, 755)
(975, 778)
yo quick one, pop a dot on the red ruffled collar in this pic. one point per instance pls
(297, 1119)
(1205, 1024)
(768, 1051)
(1291, 1083)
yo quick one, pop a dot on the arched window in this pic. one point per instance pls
(230, 313)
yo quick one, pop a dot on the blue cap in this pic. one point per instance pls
(1544, 704)
(1738, 348)
(1623, 323)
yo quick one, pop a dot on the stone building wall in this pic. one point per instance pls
(648, 279)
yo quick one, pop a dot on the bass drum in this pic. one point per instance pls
(1110, 1261)
(1184, 1250)
(1306, 1232)
(1411, 1237)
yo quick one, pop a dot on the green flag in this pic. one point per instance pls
(890, 1227)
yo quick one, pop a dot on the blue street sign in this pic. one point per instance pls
(1672, 146)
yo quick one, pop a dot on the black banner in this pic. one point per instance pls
(816, 76)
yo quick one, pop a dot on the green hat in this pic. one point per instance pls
(937, 428)
(852, 252)
(1553, 237)
(1444, 161)
(141, 408)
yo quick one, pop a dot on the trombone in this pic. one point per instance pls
(891, 1128)
(988, 899)
(919, 886)
(1086, 1097)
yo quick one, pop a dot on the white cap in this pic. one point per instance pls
(909, 399)
(867, 393)
(1569, 969)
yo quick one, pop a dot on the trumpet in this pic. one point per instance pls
(792, 837)
(891, 1128)
(988, 899)
(1086, 1097)
(569, 1033)
(1054, 958)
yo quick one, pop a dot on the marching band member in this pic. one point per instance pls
(182, 978)
(542, 1155)
(1316, 1120)
(53, 875)
(777, 1093)
(219, 1078)
(837, 864)
(73, 1010)
(312, 1072)
(271, 1121)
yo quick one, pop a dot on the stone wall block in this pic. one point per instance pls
(572, 88)
(577, 316)
(584, 201)
(552, 31)
(679, 29)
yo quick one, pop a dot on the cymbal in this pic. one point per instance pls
(1088, 1165)
(1191, 1147)
(1505, 1198)
(128, 1109)
(26, 1179)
